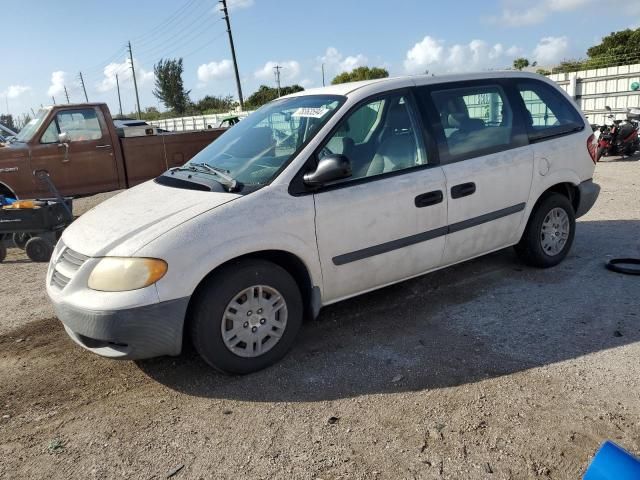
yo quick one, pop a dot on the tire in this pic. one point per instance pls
(20, 240)
(39, 249)
(600, 153)
(540, 249)
(210, 314)
(3, 251)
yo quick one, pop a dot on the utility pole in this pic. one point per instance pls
(66, 93)
(135, 82)
(323, 74)
(119, 100)
(54, 99)
(276, 71)
(86, 99)
(233, 52)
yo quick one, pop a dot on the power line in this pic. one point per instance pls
(233, 52)
(83, 88)
(162, 26)
(173, 46)
(135, 83)
(276, 71)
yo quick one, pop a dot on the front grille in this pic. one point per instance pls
(66, 267)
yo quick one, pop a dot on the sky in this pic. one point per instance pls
(46, 44)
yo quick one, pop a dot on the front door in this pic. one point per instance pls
(89, 166)
(387, 222)
(487, 163)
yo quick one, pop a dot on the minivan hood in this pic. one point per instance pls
(123, 224)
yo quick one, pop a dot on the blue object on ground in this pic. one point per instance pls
(612, 462)
(6, 200)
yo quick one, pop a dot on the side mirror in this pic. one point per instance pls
(329, 169)
(63, 141)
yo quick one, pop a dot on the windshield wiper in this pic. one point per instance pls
(231, 183)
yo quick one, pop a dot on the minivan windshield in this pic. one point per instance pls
(253, 151)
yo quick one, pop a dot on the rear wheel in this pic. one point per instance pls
(3, 251)
(549, 234)
(246, 316)
(39, 249)
(20, 240)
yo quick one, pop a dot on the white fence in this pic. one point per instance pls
(197, 122)
(595, 89)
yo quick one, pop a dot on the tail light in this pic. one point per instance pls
(592, 147)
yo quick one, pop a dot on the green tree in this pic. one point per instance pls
(542, 71)
(360, 73)
(211, 104)
(169, 87)
(622, 43)
(7, 121)
(265, 94)
(520, 63)
(617, 48)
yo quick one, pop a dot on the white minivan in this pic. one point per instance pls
(320, 196)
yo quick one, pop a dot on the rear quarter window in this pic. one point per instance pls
(547, 112)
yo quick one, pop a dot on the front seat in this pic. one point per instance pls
(397, 149)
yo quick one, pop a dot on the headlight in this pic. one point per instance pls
(115, 274)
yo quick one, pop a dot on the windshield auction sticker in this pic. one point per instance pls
(310, 112)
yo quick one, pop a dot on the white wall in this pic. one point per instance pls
(597, 88)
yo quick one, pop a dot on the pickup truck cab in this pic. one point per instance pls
(79, 145)
(320, 196)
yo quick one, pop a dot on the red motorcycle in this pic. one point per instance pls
(620, 138)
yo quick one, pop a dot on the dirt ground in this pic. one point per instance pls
(486, 370)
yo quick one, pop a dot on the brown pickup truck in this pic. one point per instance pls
(84, 152)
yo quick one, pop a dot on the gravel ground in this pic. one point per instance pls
(488, 369)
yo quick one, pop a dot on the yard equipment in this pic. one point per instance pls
(35, 225)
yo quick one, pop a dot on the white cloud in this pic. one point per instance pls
(14, 91)
(335, 62)
(536, 14)
(550, 50)
(434, 55)
(214, 70)
(123, 70)
(290, 70)
(58, 80)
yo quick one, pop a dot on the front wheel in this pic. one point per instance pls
(39, 249)
(246, 316)
(548, 237)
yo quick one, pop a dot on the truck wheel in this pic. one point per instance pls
(246, 316)
(20, 240)
(549, 234)
(3, 252)
(39, 249)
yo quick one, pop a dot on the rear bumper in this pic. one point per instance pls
(129, 334)
(589, 192)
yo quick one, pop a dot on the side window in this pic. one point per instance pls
(547, 113)
(79, 124)
(379, 137)
(50, 135)
(476, 120)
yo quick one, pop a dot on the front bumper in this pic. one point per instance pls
(589, 192)
(129, 334)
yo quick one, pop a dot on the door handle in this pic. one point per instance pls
(103, 146)
(463, 190)
(429, 198)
